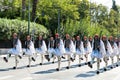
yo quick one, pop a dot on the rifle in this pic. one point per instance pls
(100, 34)
(19, 34)
(82, 35)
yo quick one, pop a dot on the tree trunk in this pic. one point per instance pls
(34, 9)
(23, 9)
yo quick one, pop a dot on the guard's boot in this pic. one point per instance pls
(90, 65)
(97, 72)
(67, 67)
(20, 56)
(105, 69)
(63, 57)
(33, 59)
(47, 57)
(5, 59)
(57, 69)
(72, 59)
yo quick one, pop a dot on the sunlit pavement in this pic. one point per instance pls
(48, 71)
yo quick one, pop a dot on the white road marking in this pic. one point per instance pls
(6, 55)
(6, 77)
(27, 78)
(53, 79)
(2, 55)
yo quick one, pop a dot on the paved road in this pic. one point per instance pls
(48, 72)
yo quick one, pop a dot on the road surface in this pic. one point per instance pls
(48, 71)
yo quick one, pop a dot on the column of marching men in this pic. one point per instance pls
(97, 47)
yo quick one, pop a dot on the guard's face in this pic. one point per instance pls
(28, 38)
(96, 37)
(14, 35)
(78, 38)
(51, 38)
(85, 38)
(67, 36)
(90, 39)
(40, 37)
(104, 38)
(111, 38)
(73, 39)
(56, 36)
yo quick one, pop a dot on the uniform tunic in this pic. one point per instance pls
(51, 49)
(59, 47)
(96, 49)
(79, 47)
(16, 47)
(57, 42)
(41, 47)
(114, 47)
(85, 44)
(67, 44)
(29, 47)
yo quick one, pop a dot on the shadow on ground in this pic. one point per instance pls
(62, 69)
(101, 70)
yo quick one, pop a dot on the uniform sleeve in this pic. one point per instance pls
(36, 44)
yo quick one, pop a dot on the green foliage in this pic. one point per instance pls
(83, 27)
(77, 17)
(8, 27)
(96, 29)
(11, 9)
(50, 10)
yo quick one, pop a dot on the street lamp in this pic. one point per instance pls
(90, 11)
(28, 16)
(59, 20)
(33, 31)
(36, 18)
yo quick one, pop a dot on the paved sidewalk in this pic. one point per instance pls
(47, 71)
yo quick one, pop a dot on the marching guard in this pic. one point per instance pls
(74, 41)
(118, 56)
(29, 50)
(108, 50)
(91, 41)
(69, 49)
(97, 52)
(51, 50)
(79, 49)
(115, 50)
(87, 48)
(16, 49)
(41, 48)
(59, 49)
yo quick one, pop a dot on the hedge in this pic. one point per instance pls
(8, 27)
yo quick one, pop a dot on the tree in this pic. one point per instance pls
(23, 9)
(13, 9)
(83, 8)
(34, 9)
(50, 11)
(73, 13)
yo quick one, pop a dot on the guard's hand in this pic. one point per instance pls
(113, 47)
(28, 46)
(14, 46)
(98, 49)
